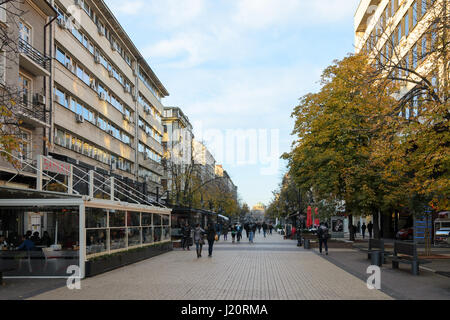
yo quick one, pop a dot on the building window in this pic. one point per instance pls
(25, 87)
(25, 32)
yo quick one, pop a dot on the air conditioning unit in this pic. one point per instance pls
(134, 98)
(97, 59)
(146, 157)
(111, 74)
(92, 85)
(78, 3)
(57, 99)
(79, 118)
(39, 99)
(110, 132)
(126, 117)
(147, 110)
(102, 96)
(113, 47)
(70, 67)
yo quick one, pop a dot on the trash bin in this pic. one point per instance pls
(377, 258)
(306, 244)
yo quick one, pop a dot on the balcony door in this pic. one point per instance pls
(25, 85)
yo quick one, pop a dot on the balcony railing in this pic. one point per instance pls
(33, 110)
(35, 55)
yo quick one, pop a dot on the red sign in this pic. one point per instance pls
(55, 166)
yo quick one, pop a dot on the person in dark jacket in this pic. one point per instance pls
(27, 244)
(370, 229)
(264, 227)
(186, 237)
(363, 230)
(211, 236)
(46, 240)
(323, 235)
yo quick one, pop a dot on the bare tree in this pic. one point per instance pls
(419, 65)
(10, 93)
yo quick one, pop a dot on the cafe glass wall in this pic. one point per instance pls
(115, 230)
(39, 241)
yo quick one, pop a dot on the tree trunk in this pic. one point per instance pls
(376, 225)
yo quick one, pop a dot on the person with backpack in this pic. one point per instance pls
(323, 235)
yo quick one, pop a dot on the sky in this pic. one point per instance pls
(237, 68)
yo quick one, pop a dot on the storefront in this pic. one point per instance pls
(44, 233)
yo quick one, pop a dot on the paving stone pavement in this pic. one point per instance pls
(269, 269)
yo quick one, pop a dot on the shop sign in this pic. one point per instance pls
(55, 166)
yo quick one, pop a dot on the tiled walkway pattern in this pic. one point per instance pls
(271, 269)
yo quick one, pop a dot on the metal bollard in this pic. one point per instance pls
(376, 258)
(306, 244)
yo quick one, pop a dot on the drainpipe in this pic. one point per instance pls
(45, 150)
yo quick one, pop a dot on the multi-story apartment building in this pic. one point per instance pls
(204, 160)
(107, 110)
(25, 70)
(402, 33)
(226, 181)
(177, 144)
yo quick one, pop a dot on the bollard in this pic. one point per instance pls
(307, 244)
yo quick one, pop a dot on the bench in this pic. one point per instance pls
(405, 252)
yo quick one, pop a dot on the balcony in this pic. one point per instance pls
(33, 113)
(33, 60)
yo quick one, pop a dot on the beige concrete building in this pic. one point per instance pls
(107, 110)
(177, 144)
(402, 32)
(25, 69)
(204, 160)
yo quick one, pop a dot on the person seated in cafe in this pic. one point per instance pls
(36, 239)
(3, 243)
(27, 244)
(46, 240)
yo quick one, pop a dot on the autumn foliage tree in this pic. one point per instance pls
(353, 145)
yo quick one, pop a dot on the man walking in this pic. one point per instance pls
(233, 233)
(239, 233)
(323, 235)
(251, 233)
(186, 237)
(370, 229)
(264, 227)
(211, 236)
(270, 228)
(363, 230)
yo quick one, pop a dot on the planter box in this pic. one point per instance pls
(107, 263)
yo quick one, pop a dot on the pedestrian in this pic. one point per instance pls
(226, 229)
(363, 230)
(198, 239)
(239, 233)
(270, 228)
(264, 227)
(186, 237)
(211, 237)
(246, 230)
(233, 233)
(251, 233)
(293, 232)
(259, 228)
(370, 229)
(323, 235)
(359, 227)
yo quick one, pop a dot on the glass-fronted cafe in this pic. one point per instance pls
(42, 234)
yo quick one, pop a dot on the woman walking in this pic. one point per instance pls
(198, 239)
(233, 233)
